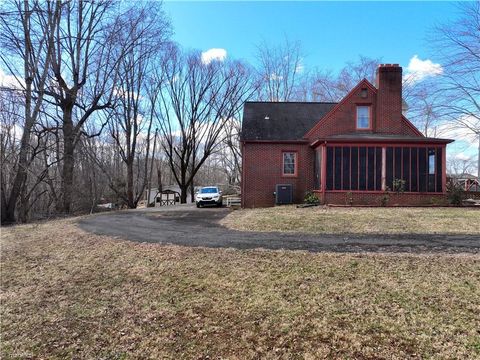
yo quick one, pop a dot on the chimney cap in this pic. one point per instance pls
(388, 65)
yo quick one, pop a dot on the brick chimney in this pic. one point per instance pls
(389, 98)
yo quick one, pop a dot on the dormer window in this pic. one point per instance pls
(364, 121)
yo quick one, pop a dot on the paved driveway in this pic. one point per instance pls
(189, 226)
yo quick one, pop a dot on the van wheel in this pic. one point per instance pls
(198, 205)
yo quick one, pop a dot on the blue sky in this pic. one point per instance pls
(331, 33)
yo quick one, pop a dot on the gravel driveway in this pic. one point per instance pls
(188, 226)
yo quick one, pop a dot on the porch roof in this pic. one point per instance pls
(378, 138)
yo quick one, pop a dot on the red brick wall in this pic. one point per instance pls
(386, 108)
(343, 119)
(262, 162)
(389, 100)
(262, 170)
(394, 199)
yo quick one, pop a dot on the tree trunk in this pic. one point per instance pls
(9, 205)
(68, 159)
(183, 185)
(130, 195)
(192, 191)
(183, 194)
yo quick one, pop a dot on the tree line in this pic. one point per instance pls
(101, 104)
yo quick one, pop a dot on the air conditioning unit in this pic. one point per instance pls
(283, 194)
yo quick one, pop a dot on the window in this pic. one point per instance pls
(431, 170)
(363, 117)
(209, 190)
(289, 163)
(364, 93)
(431, 161)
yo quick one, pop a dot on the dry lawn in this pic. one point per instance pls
(339, 220)
(68, 294)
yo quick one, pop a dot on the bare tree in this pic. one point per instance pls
(326, 85)
(31, 48)
(458, 45)
(87, 50)
(231, 154)
(356, 71)
(131, 125)
(421, 100)
(460, 166)
(195, 103)
(279, 70)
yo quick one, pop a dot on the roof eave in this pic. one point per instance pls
(360, 140)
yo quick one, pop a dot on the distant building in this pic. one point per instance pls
(169, 193)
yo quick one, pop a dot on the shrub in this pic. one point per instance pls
(456, 193)
(398, 185)
(311, 198)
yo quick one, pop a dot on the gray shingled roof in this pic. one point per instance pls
(281, 120)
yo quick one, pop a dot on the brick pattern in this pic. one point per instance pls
(262, 170)
(262, 162)
(394, 199)
(386, 108)
(343, 118)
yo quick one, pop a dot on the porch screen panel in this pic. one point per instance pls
(422, 169)
(371, 168)
(439, 169)
(354, 166)
(378, 168)
(362, 169)
(389, 174)
(329, 168)
(346, 168)
(359, 168)
(338, 168)
(406, 167)
(398, 163)
(413, 169)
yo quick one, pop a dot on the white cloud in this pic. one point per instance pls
(8, 80)
(419, 69)
(462, 156)
(275, 77)
(214, 54)
(458, 133)
(300, 67)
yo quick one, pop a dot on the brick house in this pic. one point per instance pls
(351, 152)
